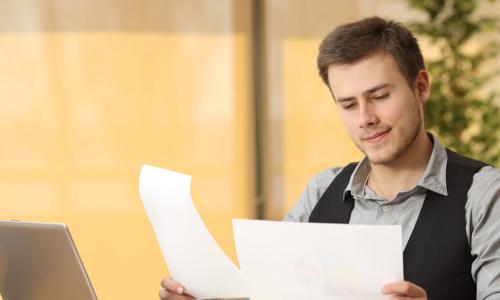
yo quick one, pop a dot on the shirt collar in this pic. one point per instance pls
(433, 178)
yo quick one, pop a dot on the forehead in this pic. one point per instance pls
(354, 79)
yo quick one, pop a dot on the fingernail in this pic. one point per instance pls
(180, 290)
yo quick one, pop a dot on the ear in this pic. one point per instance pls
(422, 86)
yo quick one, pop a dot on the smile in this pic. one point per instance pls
(376, 137)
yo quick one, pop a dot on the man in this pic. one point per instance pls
(448, 205)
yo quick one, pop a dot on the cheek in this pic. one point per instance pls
(397, 111)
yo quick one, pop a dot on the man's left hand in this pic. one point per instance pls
(404, 290)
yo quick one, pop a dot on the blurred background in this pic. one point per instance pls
(226, 91)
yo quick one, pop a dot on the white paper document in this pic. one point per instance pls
(192, 255)
(299, 261)
(278, 260)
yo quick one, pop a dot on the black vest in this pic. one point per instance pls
(437, 256)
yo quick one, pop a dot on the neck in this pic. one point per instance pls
(387, 180)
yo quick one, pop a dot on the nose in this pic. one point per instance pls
(367, 115)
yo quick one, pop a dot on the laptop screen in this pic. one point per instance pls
(40, 261)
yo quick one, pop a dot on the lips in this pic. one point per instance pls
(376, 136)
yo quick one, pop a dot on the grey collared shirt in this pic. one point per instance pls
(482, 211)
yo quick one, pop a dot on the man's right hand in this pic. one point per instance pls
(172, 290)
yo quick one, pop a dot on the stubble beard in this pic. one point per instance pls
(396, 151)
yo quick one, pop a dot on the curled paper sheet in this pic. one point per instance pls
(192, 255)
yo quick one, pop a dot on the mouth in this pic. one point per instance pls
(376, 137)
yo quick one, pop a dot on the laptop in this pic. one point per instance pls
(39, 261)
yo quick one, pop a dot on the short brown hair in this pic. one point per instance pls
(355, 41)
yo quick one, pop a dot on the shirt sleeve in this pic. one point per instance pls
(483, 229)
(311, 195)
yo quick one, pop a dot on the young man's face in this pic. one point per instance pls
(381, 112)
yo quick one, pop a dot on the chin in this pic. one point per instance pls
(381, 158)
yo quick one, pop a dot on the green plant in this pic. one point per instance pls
(461, 112)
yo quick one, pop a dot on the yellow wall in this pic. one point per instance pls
(81, 110)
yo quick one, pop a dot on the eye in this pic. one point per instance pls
(381, 97)
(348, 105)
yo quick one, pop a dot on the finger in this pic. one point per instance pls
(403, 288)
(165, 295)
(172, 286)
(401, 298)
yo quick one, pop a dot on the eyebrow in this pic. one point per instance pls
(367, 92)
(378, 87)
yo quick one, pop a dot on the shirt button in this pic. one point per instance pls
(385, 208)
